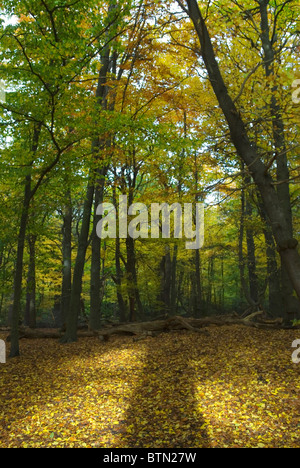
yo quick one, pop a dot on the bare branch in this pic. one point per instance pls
(245, 81)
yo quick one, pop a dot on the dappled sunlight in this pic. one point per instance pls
(248, 389)
(236, 387)
(74, 396)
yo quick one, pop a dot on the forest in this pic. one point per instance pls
(189, 112)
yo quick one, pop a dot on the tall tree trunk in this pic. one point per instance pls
(165, 282)
(199, 302)
(108, 64)
(287, 246)
(103, 145)
(96, 281)
(97, 146)
(275, 296)
(135, 303)
(119, 273)
(17, 294)
(173, 289)
(251, 258)
(242, 263)
(75, 301)
(30, 310)
(282, 170)
(16, 309)
(67, 259)
(210, 281)
(119, 276)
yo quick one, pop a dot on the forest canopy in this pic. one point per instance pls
(162, 102)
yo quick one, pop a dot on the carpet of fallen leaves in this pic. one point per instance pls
(237, 388)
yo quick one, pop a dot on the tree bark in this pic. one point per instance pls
(165, 272)
(74, 309)
(135, 303)
(287, 246)
(243, 285)
(67, 259)
(96, 281)
(119, 272)
(97, 147)
(251, 258)
(282, 170)
(275, 296)
(102, 144)
(173, 288)
(16, 309)
(30, 311)
(198, 289)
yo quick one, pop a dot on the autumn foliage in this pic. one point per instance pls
(175, 101)
(236, 388)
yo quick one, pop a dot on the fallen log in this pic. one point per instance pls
(191, 324)
(43, 333)
(155, 327)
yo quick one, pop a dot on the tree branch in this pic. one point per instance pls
(245, 81)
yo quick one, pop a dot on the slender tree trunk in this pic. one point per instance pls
(210, 280)
(173, 290)
(96, 281)
(75, 302)
(119, 273)
(30, 311)
(199, 301)
(16, 308)
(222, 295)
(199, 305)
(119, 276)
(242, 263)
(251, 258)
(67, 259)
(108, 63)
(97, 146)
(275, 296)
(287, 246)
(132, 282)
(165, 282)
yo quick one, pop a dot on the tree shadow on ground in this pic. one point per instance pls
(164, 412)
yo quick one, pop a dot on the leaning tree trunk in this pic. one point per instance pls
(287, 246)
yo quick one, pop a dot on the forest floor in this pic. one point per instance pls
(237, 387)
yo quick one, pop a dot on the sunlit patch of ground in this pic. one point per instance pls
(236, 388)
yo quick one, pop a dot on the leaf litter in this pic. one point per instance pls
(237, 387)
